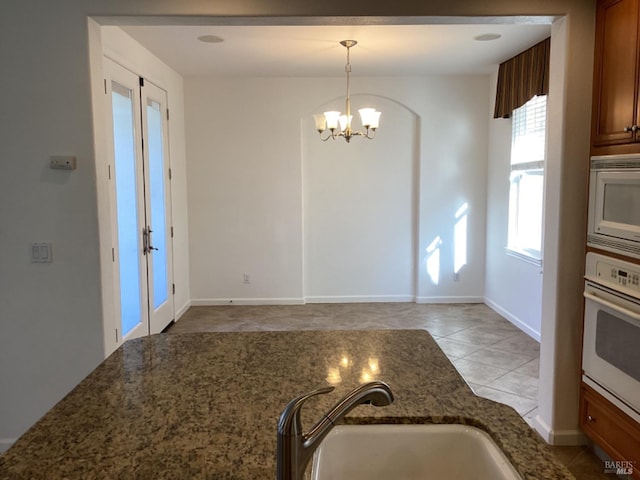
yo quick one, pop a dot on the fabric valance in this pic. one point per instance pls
(521, 78)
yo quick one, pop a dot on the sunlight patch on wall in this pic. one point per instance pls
(433, 260)
(460, 238)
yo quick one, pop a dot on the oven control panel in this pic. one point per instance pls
(614, 273)
(623, 277)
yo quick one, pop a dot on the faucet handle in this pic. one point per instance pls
(290, 423)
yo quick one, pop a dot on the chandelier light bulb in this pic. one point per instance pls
(321, 122)
(345, 122)
(332, 118)
(370, 117)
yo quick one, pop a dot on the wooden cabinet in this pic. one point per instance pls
(610, 428)
(615, 129)
(615, 125)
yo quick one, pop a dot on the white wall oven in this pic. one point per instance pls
(614, 204)
(611, 344)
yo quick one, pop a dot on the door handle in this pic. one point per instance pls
(149, 245)
(618, 308)
(145, 241)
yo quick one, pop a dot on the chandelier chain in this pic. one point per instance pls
(347, 69)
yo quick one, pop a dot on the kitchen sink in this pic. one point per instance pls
(404, 452)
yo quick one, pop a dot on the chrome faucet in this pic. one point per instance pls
(295, 447)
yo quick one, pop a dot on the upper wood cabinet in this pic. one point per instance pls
(616, 113)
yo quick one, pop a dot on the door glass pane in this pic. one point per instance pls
(622, 203)
(126, 210)
(158, 220)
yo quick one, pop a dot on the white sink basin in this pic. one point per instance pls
(404, 452)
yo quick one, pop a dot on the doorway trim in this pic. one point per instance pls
(560, 318)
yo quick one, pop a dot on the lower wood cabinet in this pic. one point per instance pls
(610, 428)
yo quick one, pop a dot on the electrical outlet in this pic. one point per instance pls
(246, 279)
(456, 277)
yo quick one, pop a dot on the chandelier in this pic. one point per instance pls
(339, 125)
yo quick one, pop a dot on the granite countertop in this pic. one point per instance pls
(206, 405)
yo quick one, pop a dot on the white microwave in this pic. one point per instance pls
(614, 204)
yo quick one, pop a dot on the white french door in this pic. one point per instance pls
(141, 204)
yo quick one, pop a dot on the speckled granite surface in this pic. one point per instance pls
(206, 405)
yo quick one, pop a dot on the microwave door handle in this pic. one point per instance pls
(611, 305)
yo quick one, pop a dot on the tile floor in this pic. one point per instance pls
(497, 359)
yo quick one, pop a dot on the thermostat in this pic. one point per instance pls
(63, 162)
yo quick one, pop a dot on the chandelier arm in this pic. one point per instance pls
(331, 135)
(369, 134)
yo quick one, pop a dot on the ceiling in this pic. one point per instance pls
(315, 51)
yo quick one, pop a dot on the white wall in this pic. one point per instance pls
(452, 174)
(360, 203)
(50, 315)
(566, 173)
(245, 204)
(314, 221)
(513, 286)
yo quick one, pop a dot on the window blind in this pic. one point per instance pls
(528, 133)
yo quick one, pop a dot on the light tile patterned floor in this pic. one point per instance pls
(497, 360)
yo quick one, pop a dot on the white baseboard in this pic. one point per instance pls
(362, 299)
(449, 300)
(513, 319)
(5, 443)
(562, 438)
(206, 302)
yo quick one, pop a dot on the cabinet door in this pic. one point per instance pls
(615, 92)
(611, 429)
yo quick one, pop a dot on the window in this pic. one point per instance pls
(527, 179)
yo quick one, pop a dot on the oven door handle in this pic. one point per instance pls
(611, 305)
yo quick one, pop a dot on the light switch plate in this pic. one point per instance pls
(41, 252)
